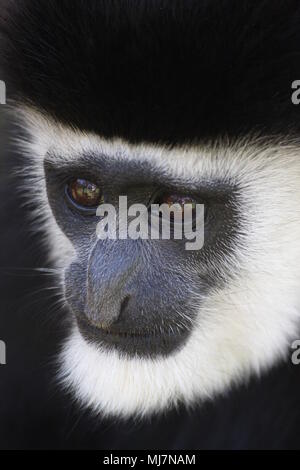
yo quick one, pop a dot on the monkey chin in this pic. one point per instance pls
(215, 357)
(123, 386)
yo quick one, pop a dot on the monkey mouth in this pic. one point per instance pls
(129, 334)
(136, 342)
(141, 333)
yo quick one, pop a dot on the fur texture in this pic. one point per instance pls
(155, 70)
(243, 327)
(202, 89)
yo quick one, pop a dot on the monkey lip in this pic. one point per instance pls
(143, 342)
(128, 334)
(146, 333)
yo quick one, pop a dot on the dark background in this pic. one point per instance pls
(36, 414)
(249, 57)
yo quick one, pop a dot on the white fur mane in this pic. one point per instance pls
(242, 328)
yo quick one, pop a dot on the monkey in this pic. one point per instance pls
(158, 101)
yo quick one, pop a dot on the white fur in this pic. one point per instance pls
(243, 327)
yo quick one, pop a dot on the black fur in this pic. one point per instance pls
(156, 70)
(144, 70)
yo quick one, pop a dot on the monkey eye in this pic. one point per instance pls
(183, 203)
(84, 194)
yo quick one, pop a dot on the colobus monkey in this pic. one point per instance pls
(163, 100)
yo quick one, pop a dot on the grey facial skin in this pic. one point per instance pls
(138, 296)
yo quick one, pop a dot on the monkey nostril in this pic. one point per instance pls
(120, 319)
(124, 304)
(123, 308)
(109, 315)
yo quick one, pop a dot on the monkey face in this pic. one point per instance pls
(138, 296)
(160, 102)
(153, 323)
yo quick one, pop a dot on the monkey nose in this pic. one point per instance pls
(108, 312)
(109, 287)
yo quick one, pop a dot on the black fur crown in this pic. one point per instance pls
(155, 70)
